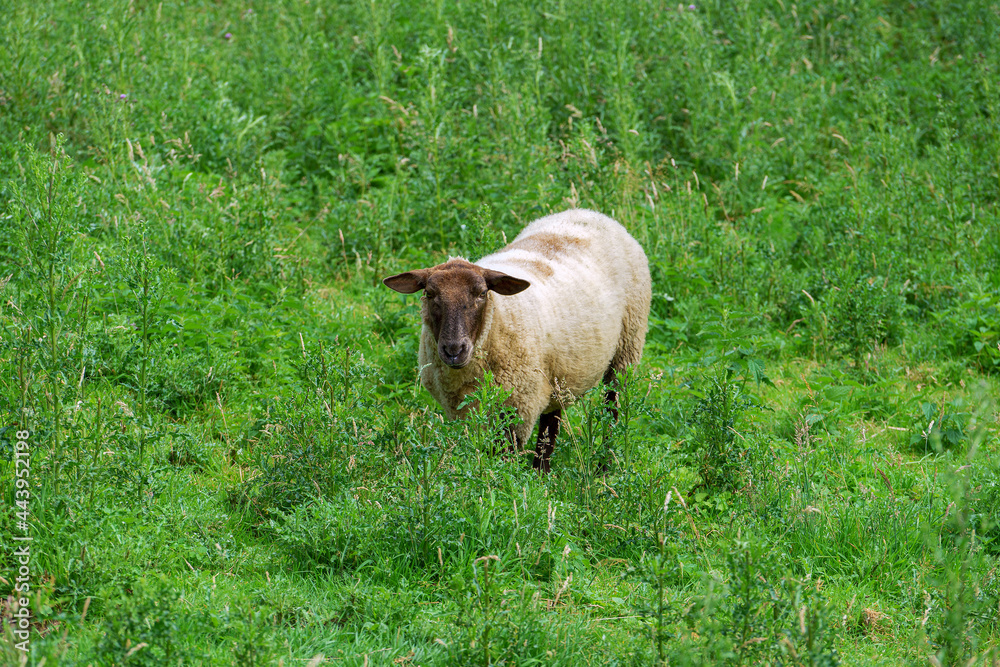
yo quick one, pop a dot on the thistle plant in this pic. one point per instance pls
(44, 212)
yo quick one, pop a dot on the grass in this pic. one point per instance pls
(232, 461)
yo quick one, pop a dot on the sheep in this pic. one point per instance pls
(559, 309)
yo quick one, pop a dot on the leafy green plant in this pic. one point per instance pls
(655, 569)
(424, 460)
(479, 235)
(940, 427)
(145, 281)
(494, 420)
(723, 406)
(864, 316)
(147, 629)
(336, 534)
(961, 598)
(253, 648)
(45, 219)
(718, 450)
(972, 329)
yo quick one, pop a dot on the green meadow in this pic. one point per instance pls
(212, 429)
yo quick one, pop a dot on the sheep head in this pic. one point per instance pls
(455, 297)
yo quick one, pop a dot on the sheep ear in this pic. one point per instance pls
(409, 282)
(503, 284)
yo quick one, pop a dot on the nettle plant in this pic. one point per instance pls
(941, 426)
(722, 426)
(864, 316)
(496, 419)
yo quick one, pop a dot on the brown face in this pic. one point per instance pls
(455, 303)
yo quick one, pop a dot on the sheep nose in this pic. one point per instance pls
(452, 353)
(452, 349)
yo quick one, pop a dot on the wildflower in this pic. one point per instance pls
(691, 8)
(228, 35)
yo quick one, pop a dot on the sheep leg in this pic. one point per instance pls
(509, 444)
(613, 381)
(548, 429)
(611, 395)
